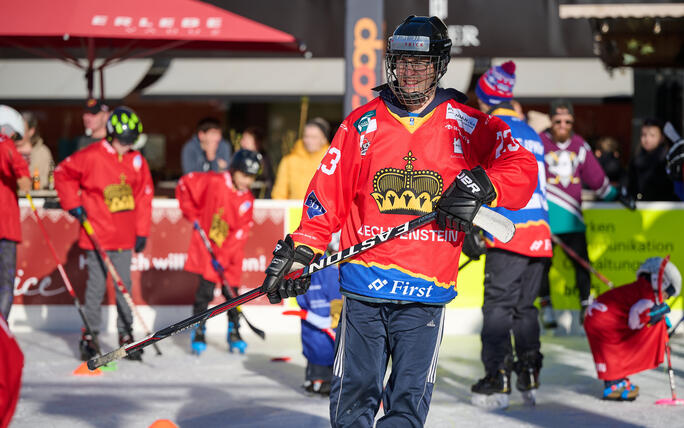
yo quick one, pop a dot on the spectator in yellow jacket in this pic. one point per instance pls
(297, 168)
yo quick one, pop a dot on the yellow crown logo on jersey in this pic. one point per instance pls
(219, 228)
(406, 191)
(119, 197)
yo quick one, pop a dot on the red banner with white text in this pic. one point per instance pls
(157, 273)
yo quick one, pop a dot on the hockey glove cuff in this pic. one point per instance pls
(78, 213)
(217, 266)
(657, 313)
(286, 259)
(457, 207)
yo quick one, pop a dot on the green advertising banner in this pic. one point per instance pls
(618, 241)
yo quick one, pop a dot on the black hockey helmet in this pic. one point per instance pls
(419, 37)
(246, 161)
(124, 125)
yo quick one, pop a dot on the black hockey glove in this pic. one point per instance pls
(626, 199)
(459, 204)
(287, 258)
(78, 213)
(474, 245)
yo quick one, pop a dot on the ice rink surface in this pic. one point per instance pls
(220, 389)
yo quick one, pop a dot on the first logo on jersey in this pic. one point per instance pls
(313, 206)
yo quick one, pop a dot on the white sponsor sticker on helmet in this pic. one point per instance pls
(410, 43)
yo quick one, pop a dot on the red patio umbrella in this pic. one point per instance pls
(121, 29)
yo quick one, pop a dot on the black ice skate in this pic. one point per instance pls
(125, 339)
(527, 368)
(88, 346)
(492, 391)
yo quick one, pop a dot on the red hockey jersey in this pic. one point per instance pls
(12, 167)
(11, 366)
(620, 349)
(382, 170)
(225, 214)
(115, 191)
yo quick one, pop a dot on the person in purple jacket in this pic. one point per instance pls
(570, 163)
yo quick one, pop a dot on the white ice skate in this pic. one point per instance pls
(529, 397)
(496, 401)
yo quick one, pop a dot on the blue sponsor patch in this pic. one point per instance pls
(314, 207)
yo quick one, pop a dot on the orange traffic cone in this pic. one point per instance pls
(83, 370)
(163, 423)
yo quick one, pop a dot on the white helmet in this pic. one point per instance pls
(11, 122)
(672, 279)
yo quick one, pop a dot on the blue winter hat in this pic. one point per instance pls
(496, 85)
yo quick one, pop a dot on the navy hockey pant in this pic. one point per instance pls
(578, 242)
(511, 285)
(370, 334)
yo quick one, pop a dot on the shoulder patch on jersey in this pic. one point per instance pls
(313, 206)
(465, 121)
(137, 162)
(244, 207)
(366, 123)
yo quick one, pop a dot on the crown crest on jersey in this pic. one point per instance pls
(219, 228)
(406, 191)
(119, 197)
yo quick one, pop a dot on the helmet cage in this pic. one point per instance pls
(414, 97)
(420, 39)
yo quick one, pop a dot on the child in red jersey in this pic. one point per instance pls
(624, 329)
(14, 174)
(110, 183)
(222, 205)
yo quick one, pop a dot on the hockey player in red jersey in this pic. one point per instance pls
(110, 184)
(222, 204)
(390, 161)
(624, 329)
(14, 174)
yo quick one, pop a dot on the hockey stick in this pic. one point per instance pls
(225, 287)
(64, 276)
(117, 279)
(585, 264)
(668, 351)
(491, 221)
